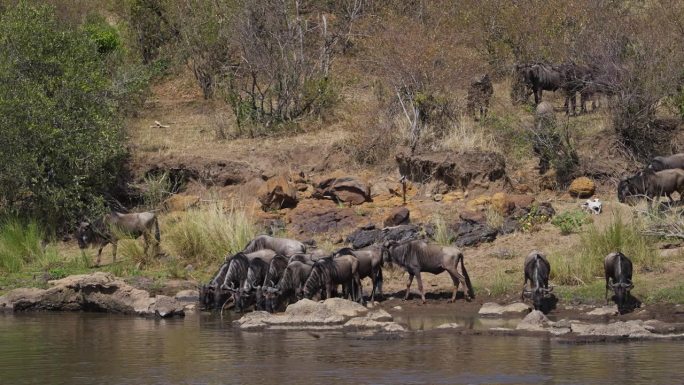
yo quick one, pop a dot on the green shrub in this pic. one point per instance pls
(104, 35)
(571, 221)
(20, 244)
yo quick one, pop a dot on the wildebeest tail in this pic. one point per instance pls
(469, 285)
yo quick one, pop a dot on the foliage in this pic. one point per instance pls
(571, 221)
(443, 234)
(152, 27)
(61, 147)
(531, 221)
(20, 244)
(105, 36)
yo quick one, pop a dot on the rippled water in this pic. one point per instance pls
(78, 348)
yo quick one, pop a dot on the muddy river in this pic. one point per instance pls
(81, 348)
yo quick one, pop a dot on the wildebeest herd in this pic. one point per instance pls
(266, 280)
(662, 177)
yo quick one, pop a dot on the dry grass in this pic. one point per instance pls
(468, 135)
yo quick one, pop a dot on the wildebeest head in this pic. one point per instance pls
(84, 234)
(206, 296)
(621, 290)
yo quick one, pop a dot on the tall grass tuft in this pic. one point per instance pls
(586, 264)
(443, 235)
(207, 234)
(20, 244)
(156, 190)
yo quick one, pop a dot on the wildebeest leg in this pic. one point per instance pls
(408, 286)
(537, 95)
(99, 253)
(456, 278)
(420, 286)
(147, 242)
(607, 286)
(522, 294)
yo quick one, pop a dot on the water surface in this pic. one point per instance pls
(86, 348)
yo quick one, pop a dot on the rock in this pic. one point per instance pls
(398, 216)
(344, 307)
(456, 170)
(479, 202)
(630, 329)
(582, 187)
(187, 296)
(180, 202)
(502, 204)
(494, 309)
(535, 321)
(181, 169)
(277, 193)
(398, 308)
(437, 197)
(364, 323)
(472, 216)
(380, 316)
(450, 325)
(473, 233)
(362, 238)
(92, 292)
(347, 189)
(325, 217)
(605, 310)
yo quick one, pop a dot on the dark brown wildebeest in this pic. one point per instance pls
(660, 163)
(107, 229)
(537, 270)
(618, 272)
(290, 287)
(237, 274)
(329, 272)
(418, 256)
(480, 93)
(370, 265)
(207, 291)
(575, 79)
(539, 77)
(282, 246)
(652, 185)
(250, 291)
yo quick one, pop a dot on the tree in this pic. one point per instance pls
(61, 144)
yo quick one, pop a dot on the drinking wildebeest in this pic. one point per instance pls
(660, 163)
(329, 272)
(653, 184)
(480, 92)
(207, 292)
(290, 287)
(539, 77)
(250, 291)
(618, 272)
(418, 256)
(370, 265)
(537, 271)
(237, 274)
(107, 229)
(282, 246)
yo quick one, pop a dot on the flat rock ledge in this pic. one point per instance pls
(98, 292)
(331, 314)
(491, 309)
(536, 321)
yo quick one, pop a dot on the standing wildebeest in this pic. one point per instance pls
(207, 292)
(370, 265)
(653, 184)
(108, 228)
(290, 287)
(539, 77)
(282, 246)
(480, 92)
(237, 274)
(660, 163)
(618, 272)
(537, 270)
(417, 256)
(329, 272)
(575, 79)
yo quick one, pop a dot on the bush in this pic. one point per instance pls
(443, 235)
(104, 35)
(208, 234)
(571, 221)
(61, 146)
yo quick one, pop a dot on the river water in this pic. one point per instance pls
(87, 348)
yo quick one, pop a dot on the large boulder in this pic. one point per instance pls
(99, 291)
(346, 190)
(582, 187)
(369, 235)
(534, 321)
(492, 309)
(456, 170)
(277, 193)
(398, 216)
(321, 218)
(473, 233)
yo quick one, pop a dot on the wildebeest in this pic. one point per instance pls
(660, 163)
(618, 272)
(480, 92)
(539, 77)
(370, 265)
(575, 79)
(653, 184)
(237, 274)
(108, 228)
(282, 246)
(207, 291)
(418, 256)
(329, 272)
(256, 275)
(537, 270)
(290, 287)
